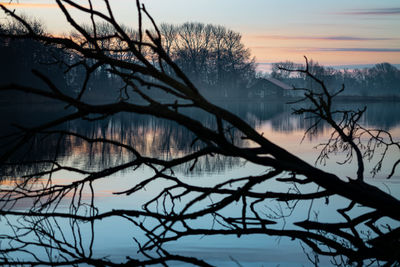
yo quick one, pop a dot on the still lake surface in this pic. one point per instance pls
(164, 139)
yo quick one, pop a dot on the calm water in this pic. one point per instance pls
(164, 139)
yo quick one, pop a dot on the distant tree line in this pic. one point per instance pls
(383, 79)
(25, 59)
(212, 56)
(20, 56)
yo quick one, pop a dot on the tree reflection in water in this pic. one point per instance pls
(60, 224)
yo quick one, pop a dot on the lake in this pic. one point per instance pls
(119, 237)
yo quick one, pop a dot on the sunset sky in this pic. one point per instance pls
(331, 32)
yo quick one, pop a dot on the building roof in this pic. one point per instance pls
(279, 83)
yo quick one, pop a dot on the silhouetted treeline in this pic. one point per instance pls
(383, 79)
(19, 57)
(212, 56)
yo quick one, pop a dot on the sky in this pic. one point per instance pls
(335, 33)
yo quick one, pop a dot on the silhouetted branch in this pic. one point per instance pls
(177, 205)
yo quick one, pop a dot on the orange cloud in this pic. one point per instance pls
(30, 5)
(325, 56)
(322, 37)
(326, 49)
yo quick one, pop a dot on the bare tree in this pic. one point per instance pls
(358, 237)
(212, 56)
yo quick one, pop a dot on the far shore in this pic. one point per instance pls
(355, 98)
(217, 100)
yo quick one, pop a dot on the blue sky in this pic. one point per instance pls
(331, 32)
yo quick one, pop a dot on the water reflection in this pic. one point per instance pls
(159, 138)
(165, 197)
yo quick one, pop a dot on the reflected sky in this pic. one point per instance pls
(113, 237)
(166, 140)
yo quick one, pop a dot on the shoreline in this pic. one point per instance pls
(218, 100)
